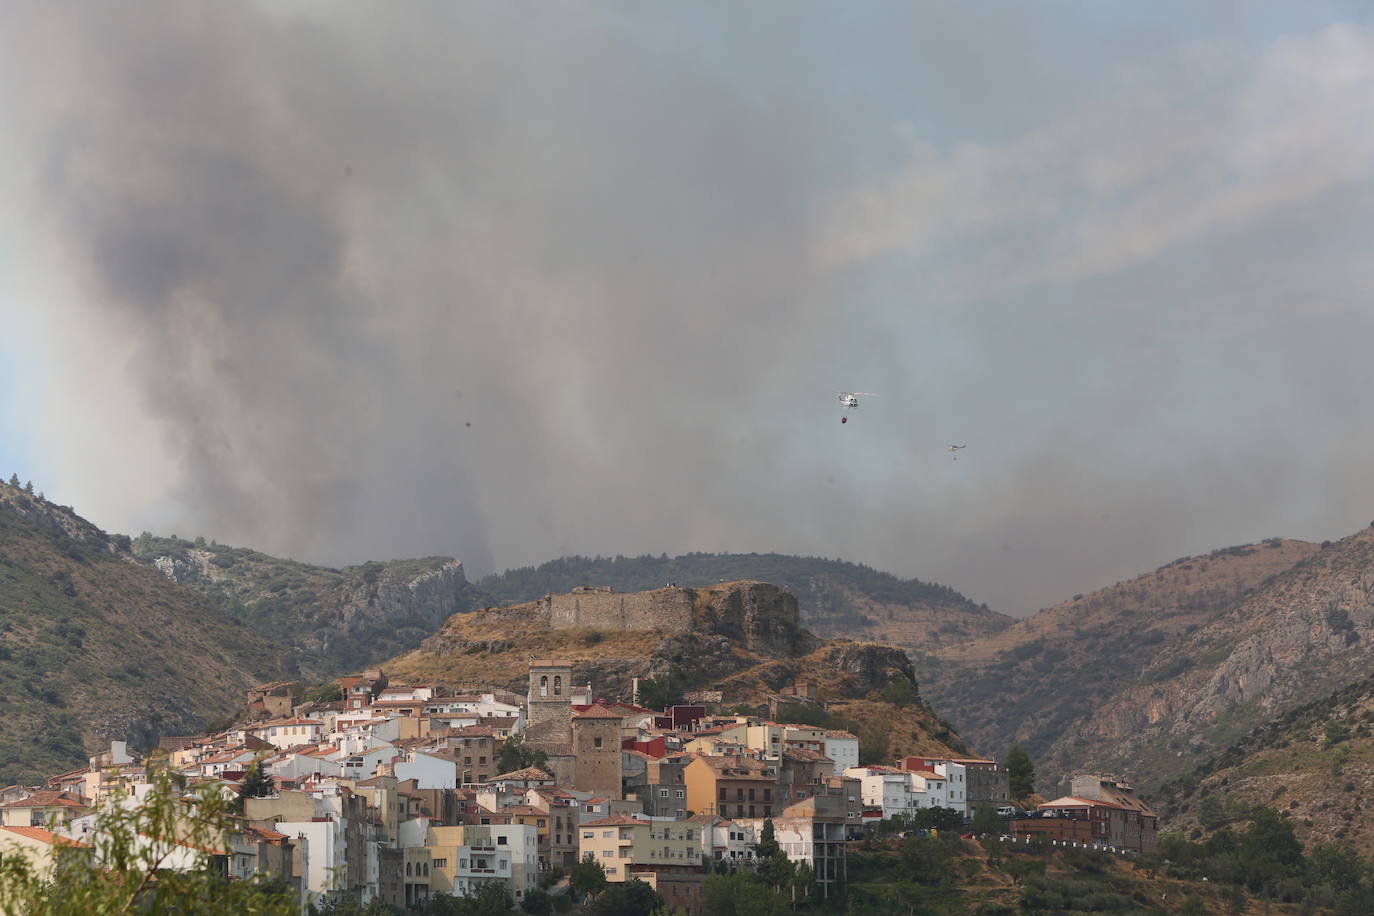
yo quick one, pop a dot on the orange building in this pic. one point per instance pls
(732, 787)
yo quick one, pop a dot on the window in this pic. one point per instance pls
(558, 685)
(681, 794)
(606, 853)
(605, 834)
(544, 685)
(500, 841)
(589, 834)
(441, 863)
(662, 793)
(596, 743)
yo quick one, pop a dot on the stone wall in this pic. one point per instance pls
(667, 610)
(763, 617)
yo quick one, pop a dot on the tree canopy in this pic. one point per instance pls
(1020, 772)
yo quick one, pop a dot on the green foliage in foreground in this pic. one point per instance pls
(1267, 860)
(122, 869)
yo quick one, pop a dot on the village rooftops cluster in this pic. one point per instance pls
(400, 792)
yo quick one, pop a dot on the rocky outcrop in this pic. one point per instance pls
(869, 667)
(60, 520)
(761, 617)
(379, 602)
(706, 657)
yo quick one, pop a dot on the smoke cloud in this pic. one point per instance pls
(506, 282)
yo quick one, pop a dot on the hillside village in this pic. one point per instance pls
(401, 792)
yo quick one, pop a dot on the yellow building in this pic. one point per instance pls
(463, 858)
(664, 854)
(38, 844)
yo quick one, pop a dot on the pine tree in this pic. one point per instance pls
(1020, 772)
(28, 488)
(256, 782)
(14, 481)
(774, 868)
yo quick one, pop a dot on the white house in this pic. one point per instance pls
(362, 763)
(304, 762)
(431, 771)
(293, 732)
(403, 692)
(894, 791)
(474, 709)
(843, 748)
(231, 760)
(726, 841)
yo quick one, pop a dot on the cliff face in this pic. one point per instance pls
(762, 617)
(336, 620)
(384, 600)
(1306, 633)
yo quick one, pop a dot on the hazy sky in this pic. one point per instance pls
(511, 280)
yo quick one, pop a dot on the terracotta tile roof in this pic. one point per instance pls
(615, 820)
(1070, 801)
(43, 836)
(836, 733)
(47, 798)
(265, 833)
(526, 773)
(596, 712)
(806, 754)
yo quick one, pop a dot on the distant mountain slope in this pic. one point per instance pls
(1314, 761)
(836, 598)
(94, 646)
(1083, 683)
(335, 620)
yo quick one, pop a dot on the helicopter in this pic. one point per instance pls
(851, 399)
(955, 448)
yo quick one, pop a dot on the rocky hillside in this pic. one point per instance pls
(1315, 762)
(733, 646)
(836, 598)
(335, 620)
(95, 646)
(1151, 676)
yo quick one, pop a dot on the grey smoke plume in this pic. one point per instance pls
(509, 281)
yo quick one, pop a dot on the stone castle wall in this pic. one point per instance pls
(667, 610)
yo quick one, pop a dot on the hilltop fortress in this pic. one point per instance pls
(667, 610)
(762, 617)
